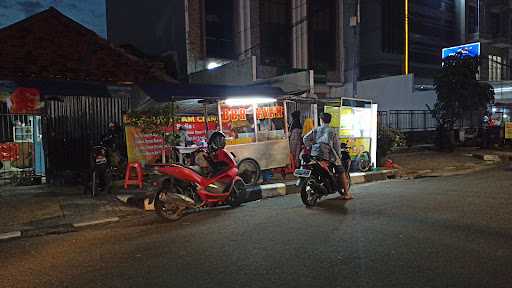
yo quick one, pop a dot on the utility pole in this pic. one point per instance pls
(354, 22)
(406, 24)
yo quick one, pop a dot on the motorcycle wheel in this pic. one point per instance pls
(165, 210)
(364, 162)
(249, 170)
(308, 195)
(235, 199)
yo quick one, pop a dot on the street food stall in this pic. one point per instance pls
(257, 129)
(356, 121)
(255, 126)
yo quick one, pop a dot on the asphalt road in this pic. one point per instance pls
(433, 232)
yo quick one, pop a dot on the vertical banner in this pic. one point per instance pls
(143, 147)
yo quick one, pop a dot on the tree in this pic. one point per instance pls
(458, 92)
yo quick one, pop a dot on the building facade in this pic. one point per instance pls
(433, 25)
(283, 35)
(489, 22)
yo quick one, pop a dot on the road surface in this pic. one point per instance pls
(432, 232)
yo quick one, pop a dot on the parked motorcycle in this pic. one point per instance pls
(317, 177)
(106, 165)
(101, 171)
(180, 189)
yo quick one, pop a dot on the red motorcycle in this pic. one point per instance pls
(182, 189)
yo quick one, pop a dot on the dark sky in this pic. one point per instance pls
(90, 13)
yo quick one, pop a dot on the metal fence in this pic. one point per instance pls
(411, 120)
(420, 120)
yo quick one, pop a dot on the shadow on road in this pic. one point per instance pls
(333, 205)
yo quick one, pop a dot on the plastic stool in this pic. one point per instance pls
(138, 170)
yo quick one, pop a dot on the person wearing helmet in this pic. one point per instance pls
(219, 159)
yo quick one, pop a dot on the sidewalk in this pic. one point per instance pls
(44, 209)
(431, 163)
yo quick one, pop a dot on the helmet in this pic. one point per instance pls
(217, 141)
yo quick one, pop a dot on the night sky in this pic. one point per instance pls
(90, 13)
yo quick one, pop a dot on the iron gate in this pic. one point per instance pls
(72, 126)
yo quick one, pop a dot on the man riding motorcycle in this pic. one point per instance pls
(324, 144)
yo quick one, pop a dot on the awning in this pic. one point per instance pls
(165, 92)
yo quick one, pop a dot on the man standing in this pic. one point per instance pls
(324, 144)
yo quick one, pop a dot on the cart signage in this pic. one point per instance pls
(234, 114)
(272, 112)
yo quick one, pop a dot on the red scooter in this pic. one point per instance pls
(182, 189)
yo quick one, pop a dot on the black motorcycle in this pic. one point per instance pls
(106, 165)
(100, 172)
(317, 177)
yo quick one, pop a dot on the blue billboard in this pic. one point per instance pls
(467, 50)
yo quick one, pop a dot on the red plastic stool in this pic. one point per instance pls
(138, 170)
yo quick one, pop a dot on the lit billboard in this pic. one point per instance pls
(467, 50)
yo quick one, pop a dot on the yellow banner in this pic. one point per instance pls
(335, 113)
(357, 145)
(142, 147)
(508, 130)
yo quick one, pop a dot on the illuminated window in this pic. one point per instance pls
(238, 124)
(495, 64)
(270, 120)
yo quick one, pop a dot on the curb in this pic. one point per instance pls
(9, 235)
(56, 229)
(429, 173)
(487, 157)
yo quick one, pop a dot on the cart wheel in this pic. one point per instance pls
(365, 162)
(249, 170)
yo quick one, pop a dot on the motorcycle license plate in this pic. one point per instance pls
(101, 160)
(302, 173)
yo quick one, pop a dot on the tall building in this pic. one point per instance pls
(284, 35)
(489, 22)
(433, 25)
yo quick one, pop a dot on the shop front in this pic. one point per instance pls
(255, 126)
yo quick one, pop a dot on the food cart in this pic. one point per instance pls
(356, 121)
